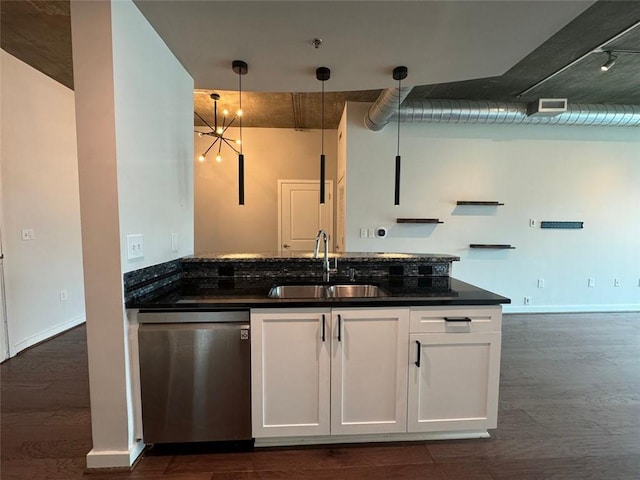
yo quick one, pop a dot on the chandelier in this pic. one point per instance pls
(218, 131)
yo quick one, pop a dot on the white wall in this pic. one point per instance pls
(589, 174)
(39, 192)
(221, 225)
(135, 155)
(155, 170)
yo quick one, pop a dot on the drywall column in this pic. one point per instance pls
(136, 177)
(113, 445)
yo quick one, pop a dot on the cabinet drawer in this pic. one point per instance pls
(456, 319)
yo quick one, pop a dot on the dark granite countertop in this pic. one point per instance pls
(245, 293)
(280, 257)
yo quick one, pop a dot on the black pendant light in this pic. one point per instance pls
(241, 68)
(399, 74)
(323, 74)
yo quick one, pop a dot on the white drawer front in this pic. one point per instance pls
(461, 319)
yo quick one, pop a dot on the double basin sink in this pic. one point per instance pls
(327, 291)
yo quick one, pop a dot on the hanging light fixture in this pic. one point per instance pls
(323, 74)
(399, 74)
(241, 68)
(218, 131)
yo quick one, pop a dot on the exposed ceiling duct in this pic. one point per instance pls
(490, 112)
(385, 107)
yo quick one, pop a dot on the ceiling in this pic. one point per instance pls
(453, 50)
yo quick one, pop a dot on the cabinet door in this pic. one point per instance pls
(453, 381)
(369, 371)
(290, 368)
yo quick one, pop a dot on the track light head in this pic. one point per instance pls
(611, 60)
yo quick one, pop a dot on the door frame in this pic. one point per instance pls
(330, 203)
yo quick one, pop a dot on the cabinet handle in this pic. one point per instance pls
(323, 328)
(457, 319)
(339, 328)
(418, 356)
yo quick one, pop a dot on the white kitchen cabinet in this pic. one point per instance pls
(351, 380)
(454, 376)
(369, 370)
(290, 372)
(319, 375)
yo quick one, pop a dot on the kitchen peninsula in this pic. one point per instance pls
(390, 348)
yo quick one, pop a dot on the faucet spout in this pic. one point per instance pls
(326, 269)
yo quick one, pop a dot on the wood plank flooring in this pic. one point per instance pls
(569, 409)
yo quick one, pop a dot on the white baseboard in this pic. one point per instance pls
(45, 334)
(388, 437)
(97, 459)
(570, 308)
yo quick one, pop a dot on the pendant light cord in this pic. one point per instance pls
(398, 115)
(322, 122)
(240, 93)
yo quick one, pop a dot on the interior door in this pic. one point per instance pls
(300, 214)
(4, 336)
(4, 345)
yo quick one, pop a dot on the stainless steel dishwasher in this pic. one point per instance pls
(195, 376)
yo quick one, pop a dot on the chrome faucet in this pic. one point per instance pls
(326, 269)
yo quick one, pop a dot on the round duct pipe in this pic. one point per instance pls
(489, 112)
(385, 107)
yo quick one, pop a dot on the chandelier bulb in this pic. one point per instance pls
(201, 158)
(225, 112)
(218, 158)
(239, 113)
(238, 142)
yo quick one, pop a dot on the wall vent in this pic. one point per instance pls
(547, 107)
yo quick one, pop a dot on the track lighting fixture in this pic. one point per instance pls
(609, 63)
(323, 74)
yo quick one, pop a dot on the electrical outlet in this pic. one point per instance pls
(63, 295)
(135, 246)
(28, 234)
(541, 283)
(533, 223)
(174, 242)
(591, 282)
(527, 300)
(616, 282)
(363, 233)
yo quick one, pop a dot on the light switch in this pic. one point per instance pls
(135, 246)
(28, 234)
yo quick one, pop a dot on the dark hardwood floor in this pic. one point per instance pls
(569, 409)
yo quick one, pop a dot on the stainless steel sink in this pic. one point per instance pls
(297, 291)
(324, 291)
(355, 291)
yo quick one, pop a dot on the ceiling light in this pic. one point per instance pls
(609, 63)
(218, 130)
(241, 68)
(399, 74)
(323, 74)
